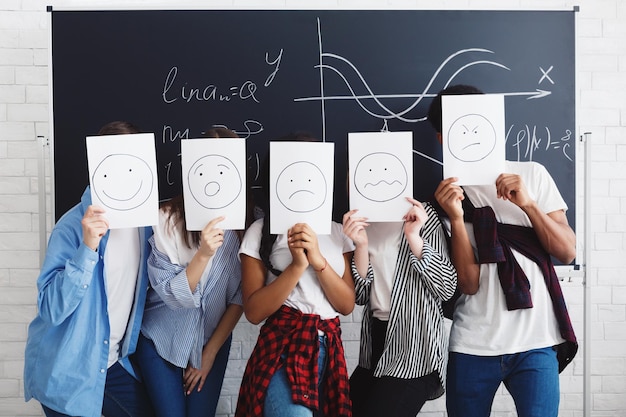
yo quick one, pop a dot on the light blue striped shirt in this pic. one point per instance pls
(180, 322)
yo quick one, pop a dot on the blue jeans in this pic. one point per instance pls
(164, 383)
(532, 379)
(278, 396)
(124, 396)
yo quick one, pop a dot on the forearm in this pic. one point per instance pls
(196, 268)
(416, 244)
(224, 329)
(361, 259)
(338, 289)
(267, 299)
(555, 235)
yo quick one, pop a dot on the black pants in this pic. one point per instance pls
(387, 396)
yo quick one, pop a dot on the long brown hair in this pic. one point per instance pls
(176, 206)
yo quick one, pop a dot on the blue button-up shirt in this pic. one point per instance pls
(68, 342)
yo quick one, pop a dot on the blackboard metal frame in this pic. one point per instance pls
(567, 271)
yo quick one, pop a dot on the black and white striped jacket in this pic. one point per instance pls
(416, 343)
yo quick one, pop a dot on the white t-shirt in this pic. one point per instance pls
(307, 296)
(482, 325)
(383, 246)
(121, 266)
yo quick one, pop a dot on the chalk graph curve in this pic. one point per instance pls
(372, 96)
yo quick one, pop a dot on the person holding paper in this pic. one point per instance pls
(510, 324)
(192, 308)
(298, 283)
(92, 290)
(402, 274)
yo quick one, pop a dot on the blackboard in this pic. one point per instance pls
(265, 73)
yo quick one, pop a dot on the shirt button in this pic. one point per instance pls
(306, 396)
(102, 371)
(106, 342)
(85, 286)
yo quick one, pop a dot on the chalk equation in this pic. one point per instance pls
(527, 140)
(175, 89)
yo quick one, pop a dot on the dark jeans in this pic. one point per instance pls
(164, 383)
(124, 396)
(387, 396)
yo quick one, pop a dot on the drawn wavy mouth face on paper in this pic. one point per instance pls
(301, 187)
(122, 181)
(380, 176)
(471, 138)
(214, 181)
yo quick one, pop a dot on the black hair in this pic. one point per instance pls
(434, 111)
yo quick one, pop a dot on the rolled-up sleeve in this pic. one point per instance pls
(169, 280)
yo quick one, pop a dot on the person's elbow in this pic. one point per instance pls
(468, 288)
(468, 279)
(567, 256)
(253, 315)
(346, 311)
(345, 307)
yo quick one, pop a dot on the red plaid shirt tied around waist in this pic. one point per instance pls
(291, 333)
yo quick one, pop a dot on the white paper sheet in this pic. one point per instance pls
(473, 133)
(123, 178)
(214, 182)
(381, 174)
(301, 185)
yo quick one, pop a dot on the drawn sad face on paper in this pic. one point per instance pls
(301, 187)
(122, 181)
(471, 138)
(380, 176)
(214, 181)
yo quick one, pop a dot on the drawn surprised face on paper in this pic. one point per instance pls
(471, 138)
(380, 176)
(301, 187)
(214, 181)
(123, 182)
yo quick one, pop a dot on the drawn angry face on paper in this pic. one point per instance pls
(380, 176)
(123, 182)
(471, 138)
(301, 187)
(214, 181)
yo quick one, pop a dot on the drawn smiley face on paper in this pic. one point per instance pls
(471, 138)
(214, 181)
(122, 181)
(301, 187)
(380, 176)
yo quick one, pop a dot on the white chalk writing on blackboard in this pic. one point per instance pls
(209, 92)
(528, 140)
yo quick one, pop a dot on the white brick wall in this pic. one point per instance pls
(601, 83)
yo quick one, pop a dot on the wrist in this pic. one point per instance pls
(529, 207)
(320, 269)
